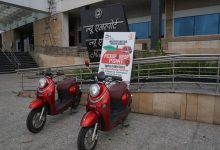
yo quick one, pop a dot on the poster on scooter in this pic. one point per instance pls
(117, 54)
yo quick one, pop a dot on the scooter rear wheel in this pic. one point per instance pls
(85, 141)
(34, 124)
(76, 102)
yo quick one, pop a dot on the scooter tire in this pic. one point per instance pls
(76, 102)
(81, 139)
(29, 121)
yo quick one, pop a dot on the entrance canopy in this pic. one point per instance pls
(13, 16)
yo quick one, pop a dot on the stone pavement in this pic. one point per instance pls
(60, 132)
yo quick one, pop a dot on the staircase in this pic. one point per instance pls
(10, 61)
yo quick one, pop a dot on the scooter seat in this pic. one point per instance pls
(65, 84)
(63, 89)
(117, 90)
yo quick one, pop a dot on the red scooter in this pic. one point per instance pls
(69, 95)
(108, 105)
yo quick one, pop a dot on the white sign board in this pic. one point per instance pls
(117, 54)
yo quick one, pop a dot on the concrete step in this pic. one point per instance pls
(24, 58)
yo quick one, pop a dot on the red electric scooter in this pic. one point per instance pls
(69, 95)
(108, 105)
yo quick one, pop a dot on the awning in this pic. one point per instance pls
(12, 16)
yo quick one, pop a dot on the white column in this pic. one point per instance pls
(65, 30)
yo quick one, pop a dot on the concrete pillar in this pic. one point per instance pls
(9, 40)
(156, 19)
(65, 29)
(169, 10)
(53, 31)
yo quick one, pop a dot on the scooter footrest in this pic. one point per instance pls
(59, 103)
(114, 114)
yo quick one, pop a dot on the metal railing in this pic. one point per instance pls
(11, 57)
(174, 73)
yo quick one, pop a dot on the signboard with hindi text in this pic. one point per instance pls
(96, 21)
(117, 54)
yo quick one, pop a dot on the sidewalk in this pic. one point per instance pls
(60, 132)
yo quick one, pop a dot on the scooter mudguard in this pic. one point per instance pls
(37, 103)
(89, 119)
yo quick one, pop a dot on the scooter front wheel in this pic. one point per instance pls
(85, 141)
(34, 123)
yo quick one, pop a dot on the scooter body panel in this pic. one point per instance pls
(69, 95)
(89, 119)
(48, 95)
(37, 103)
(103, 107)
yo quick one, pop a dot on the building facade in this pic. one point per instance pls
(188, 27)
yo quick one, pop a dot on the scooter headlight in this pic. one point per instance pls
(42, 83)
(94, 90)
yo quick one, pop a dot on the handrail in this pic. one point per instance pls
(193, 73)
(11, 57)
(7, 56)
(135, 61)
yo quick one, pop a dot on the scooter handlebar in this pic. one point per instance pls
(101, 77)
(40, 73)
(59, 73)
(115, 78)
(50, 73)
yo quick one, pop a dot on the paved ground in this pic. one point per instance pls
(60, 132)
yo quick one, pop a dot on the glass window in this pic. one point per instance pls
(130, 27)
(141, 30)
(219, 25)
(206, 24)
(184, 26)
(162, 28)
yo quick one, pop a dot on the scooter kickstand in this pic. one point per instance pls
(73, 111)
(125, 123)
